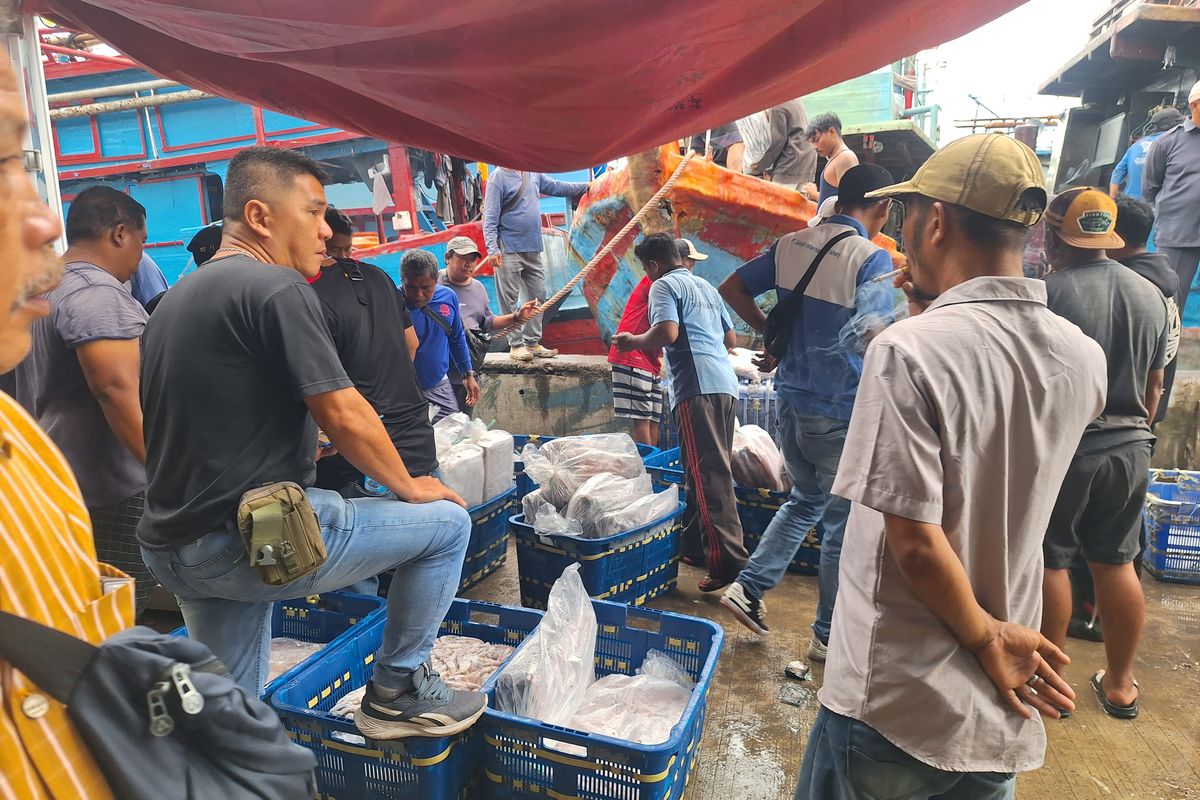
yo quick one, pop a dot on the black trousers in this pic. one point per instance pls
(713, 529)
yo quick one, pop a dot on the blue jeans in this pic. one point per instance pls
(355, 490)
(812, 447)
(849, 760)
(227, 606)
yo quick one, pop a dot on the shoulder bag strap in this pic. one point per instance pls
(437, 318)
(511, 202)
(54, 660)
(789, 306)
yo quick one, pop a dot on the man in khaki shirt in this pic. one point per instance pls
(966, 419)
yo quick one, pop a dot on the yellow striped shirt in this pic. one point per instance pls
(48, 573)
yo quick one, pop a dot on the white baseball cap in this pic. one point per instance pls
(824, 212)
(1194, 94)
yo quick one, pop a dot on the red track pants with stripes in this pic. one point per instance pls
(713, 530)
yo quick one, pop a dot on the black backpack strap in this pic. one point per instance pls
(54, 660)
(789, 306)
(436, 317)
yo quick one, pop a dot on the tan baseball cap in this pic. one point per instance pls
(1085, 218)
(989, 173)
(463, 246)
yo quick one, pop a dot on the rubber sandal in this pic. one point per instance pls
(1112, 709)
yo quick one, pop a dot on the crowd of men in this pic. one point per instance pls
(958, 460)
(960, 464)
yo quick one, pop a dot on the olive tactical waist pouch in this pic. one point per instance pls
(281, 533)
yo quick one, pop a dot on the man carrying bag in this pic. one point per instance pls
(814, 335)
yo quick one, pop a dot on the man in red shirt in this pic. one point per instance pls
(636, 381)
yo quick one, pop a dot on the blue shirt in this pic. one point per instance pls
(518, 228)
(148, 282)
(1128, 170)
(439, 348)
(819, 373)
(698, 360)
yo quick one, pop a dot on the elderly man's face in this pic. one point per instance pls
(28, 265)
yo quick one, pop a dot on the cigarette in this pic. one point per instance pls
(888, 275)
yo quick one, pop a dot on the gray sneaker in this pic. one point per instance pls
(429, 708)
(817, 650)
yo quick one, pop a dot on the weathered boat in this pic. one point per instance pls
(728, 216)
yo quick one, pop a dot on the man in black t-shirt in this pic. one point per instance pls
(371, 328)
(237, 365)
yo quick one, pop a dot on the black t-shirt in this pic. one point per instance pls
(367, 319)
(227, 360)
(1156, 268)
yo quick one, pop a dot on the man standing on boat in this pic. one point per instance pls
(790, 159)
(512, 227)
(825, 134)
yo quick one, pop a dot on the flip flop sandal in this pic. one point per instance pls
(1112, 709)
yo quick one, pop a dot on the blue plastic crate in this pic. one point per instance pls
(351, 767)
(756, 508)
(518, 763)
(631, 567)
(1172, 516)
(524, 484)
(323, 618)
(488, 548)
(757, 405)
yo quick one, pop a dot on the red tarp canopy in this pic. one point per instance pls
(534, 84)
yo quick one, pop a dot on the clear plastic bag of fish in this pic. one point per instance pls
(548, 522)
(640, 708)
(658, 664)
(602, 493)
(548, 677)
(531, 502)
(561, 466)
(641, 512)
(756, 462)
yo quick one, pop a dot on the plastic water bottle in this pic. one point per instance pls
(372, 487)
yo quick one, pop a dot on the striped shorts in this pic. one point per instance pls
(637, 394)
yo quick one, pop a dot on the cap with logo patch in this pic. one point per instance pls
(1085, 218)
(988, 173)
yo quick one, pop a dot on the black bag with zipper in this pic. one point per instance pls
(777, 337)
(161, 715)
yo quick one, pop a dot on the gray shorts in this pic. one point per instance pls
(1099, 507)
(441, 397)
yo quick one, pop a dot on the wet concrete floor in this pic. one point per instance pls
(758, 719)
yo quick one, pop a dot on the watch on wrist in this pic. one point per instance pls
(469, 373)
